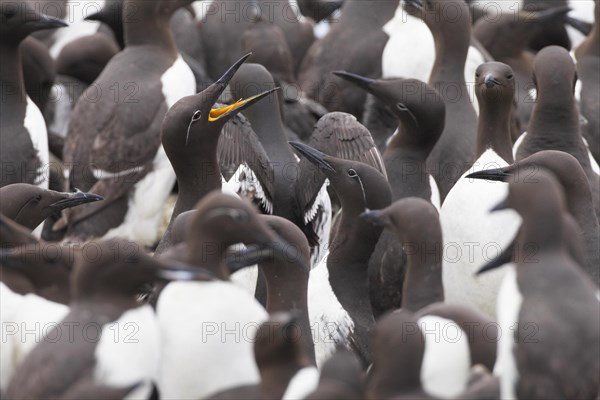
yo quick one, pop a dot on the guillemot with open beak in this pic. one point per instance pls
(202, 142)
(273, 182)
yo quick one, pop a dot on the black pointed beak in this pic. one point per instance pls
(375, 217)
(496, 174)
(503, 205)
(97, 16)
(212, 93)
(313, 155)
(46, 22)
(76, 199)
(551, 13)
(505, 257)
(490, 81)
(582, 26)
(224, 80)
(489, 267)
(360, 81)
(225, 113)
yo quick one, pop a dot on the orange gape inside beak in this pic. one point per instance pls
(217, 113)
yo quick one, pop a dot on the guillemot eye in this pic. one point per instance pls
(352, 173)
(197, 115)
(510, 76)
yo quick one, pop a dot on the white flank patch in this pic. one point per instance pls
(128, 352)
(246, 277)
(78, 27)
(207, 331)
(518, 143)
(509, 306)
(146, 202)
(302, 384)
(389, 140)
(322, 223)
(63, 106)
(25, 322)
(244, 181)
(578, 85)
(473, 236)
(435, 193)
(37, 232)
(532, 94)
(9, 303)
(35, 124)
(329, 321)
(593, 162)
(447, 359)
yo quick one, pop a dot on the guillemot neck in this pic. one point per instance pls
(11, 75)
(450, 60)
(196, 178)
(147, 28)
(423, 281)
(493, 132)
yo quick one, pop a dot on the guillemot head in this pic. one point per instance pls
(353, 181)
(18, 19)
(30, 205)
(417, 105)
(195, 118)
(224, 220)
(117, 269)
